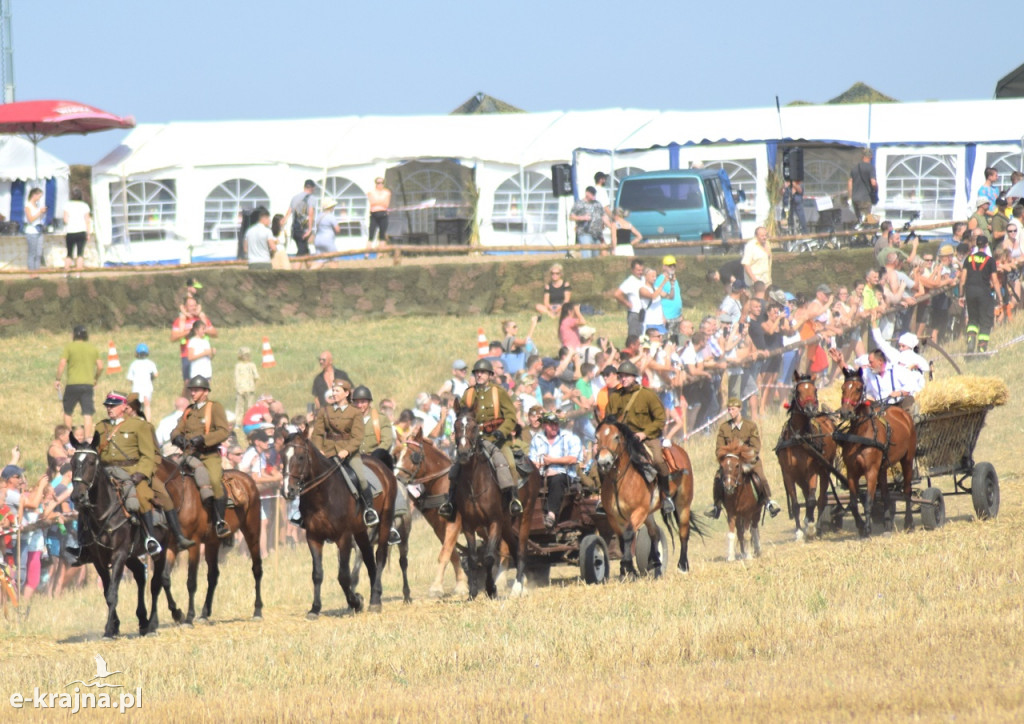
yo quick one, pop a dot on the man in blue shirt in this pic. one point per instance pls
(555, 452)
(671, 306)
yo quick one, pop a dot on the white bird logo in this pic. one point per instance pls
(101, 673)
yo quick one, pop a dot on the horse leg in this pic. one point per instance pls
(212, 574)
(403, 557)
(870, 486)
(628, 543)
(887, 521)
(251, 532)
(165, 582)
(381, 560)
(491, 559)
(793, 502)
(316, 550)
(683, 521)
(110, 586)
(731, 555)
(138, 570)
(907, 466)
(353, 599)
(372, 570)
(810, 495)
(159, 565)
(823, 483)
(471, 562)
(755, 535)
(654, 558)
(190, 582)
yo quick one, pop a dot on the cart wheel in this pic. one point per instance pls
(643, 551)
(985, 491)
(594, 559)
(933, 511)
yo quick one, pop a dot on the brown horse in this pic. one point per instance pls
(424, 469)
(197, 524)
(629, 501)
(873, 440)
(478, 501)
(114, 541)
(806, 438)
(742, 505)
(330, 512)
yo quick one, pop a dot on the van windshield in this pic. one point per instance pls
(661, 194)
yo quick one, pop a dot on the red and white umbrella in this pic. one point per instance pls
(43, 119)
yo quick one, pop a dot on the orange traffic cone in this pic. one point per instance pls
(481, 342)
(268, 354)
(113, 363)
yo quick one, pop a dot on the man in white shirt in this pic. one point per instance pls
(631, 294)
(259, 243)
(757, 258)
(166, 426)
(889, 383)
(456, 384)
(555, 452)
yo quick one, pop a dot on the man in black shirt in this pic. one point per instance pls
(727, 273)
(862, 186)
(978, 280)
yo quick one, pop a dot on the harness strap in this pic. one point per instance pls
(632, 399)
(207, 416)
(109, 438)
(375, 417)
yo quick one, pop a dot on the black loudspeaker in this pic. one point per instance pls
(793, 164)
(561, 179)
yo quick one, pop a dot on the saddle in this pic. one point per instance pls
(349, 476)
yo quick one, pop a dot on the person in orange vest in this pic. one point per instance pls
(610, 376)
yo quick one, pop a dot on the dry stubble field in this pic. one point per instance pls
(919, 626)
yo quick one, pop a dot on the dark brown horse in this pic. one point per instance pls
(806, 439)
(629, 500)
(330, 513)
(424, 470)
(197, 524)
(742, 505)
(873, 439)
(113, 539)
(478, 501)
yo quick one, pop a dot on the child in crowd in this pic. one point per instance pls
(246, 375)
(141, 373)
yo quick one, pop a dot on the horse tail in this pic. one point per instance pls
(672, 523)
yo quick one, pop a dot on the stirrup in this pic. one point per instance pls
(514, 506)
(370, 518)
(667, 506)
(394, 537)
(222, 529)
(153, 546)
(773, 508)
(713, 512)
(447, 511)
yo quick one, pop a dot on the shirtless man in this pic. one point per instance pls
(380, 200)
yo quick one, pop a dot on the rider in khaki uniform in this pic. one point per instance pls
(640, 409)
(338, 433)
(378, 434)
(496, 415)
(745, 431)
(200, 431)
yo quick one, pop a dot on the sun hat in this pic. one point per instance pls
(328, 204)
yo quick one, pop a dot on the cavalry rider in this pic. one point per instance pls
(978, 281)
(338, 434)
(378, 433)
(203, 426)
(496, 415)
(127, 449)
(745, 431)
(640, 409)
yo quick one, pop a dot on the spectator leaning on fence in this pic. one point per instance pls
(757, 258)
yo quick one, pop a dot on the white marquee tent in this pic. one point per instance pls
(175, 190)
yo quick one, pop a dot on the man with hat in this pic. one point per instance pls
(200, 431)
(555, 452)
(671, 305)
(640, 409)
(980, 218)
(978, 281)
(456, 384)
(338, 433)
(733, 429)
(496, 415)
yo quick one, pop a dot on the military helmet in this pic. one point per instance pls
(483, 365)
(362, 392)
(628, 368)
(199, 382)
(550, 417)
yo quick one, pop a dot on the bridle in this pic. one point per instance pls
(805, 404)
(408, 477)
(98, 523)
(464, 447)
(731, 482)
(305, 481)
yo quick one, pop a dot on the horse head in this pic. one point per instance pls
(297, 467)
(611, 444)
(85, 465)
(410, 457)
(805, 395)
(467, 434)
(735, 463)
(852, 392)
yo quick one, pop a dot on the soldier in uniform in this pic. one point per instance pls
(736, 428)
(378, 433)
(496, 415)
(127, 449)
(200, 431)
(640, 409)
(338, 433)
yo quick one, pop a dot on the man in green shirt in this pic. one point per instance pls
(83, 364)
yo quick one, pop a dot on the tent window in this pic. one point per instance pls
(1005, 164)
(142, 211)
(541, 205)
(824, 178)
(225, 206)
(353, 206)
(923, 182)
(742, 176)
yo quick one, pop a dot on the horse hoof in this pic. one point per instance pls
(312, 616)
(438, 591)
(373, 608)
(461, 589)
(800, 536)
(257, 617)
(517, 590)
(152, 633)
(178, 616)
(203, 620)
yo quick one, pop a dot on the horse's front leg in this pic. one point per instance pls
(887, 521)
(907, 467)
(755, 536)
(627, 542)
(165, 582)
(316, 550)
(212, 576)
(373, 572)
(654, 558)
(138, 570)
(110, 588)
(731, 555)
(191, 583)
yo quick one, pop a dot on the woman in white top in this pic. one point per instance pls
(200, 353)
(77, 229)
(35, 213)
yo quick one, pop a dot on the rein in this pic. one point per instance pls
(313, 483)
(99, 526)
(413, 480)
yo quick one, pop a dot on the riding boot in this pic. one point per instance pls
(764, 491)
(82, 554)
(148, 524)
(220, 526)
(370, 517)
(667, 506)
(175, 526)
(447, 508)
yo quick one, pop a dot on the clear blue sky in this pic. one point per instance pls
(228, 59)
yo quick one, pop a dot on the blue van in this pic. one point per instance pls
(690, 205)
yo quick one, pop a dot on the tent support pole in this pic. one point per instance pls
(522, 205)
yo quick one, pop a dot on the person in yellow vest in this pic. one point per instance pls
(338, 433)
(378, 439)
(200, 431)
(496, 415)
(736, 428)
(640, 409)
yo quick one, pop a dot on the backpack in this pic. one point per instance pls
(300, 220)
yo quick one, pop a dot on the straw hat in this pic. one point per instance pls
(328, 204)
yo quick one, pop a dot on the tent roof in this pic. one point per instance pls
(483, 103)
(1011, 85)
(16, 161)
(536, 138)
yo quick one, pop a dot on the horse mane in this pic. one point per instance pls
(633, 444)
(737, 448)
